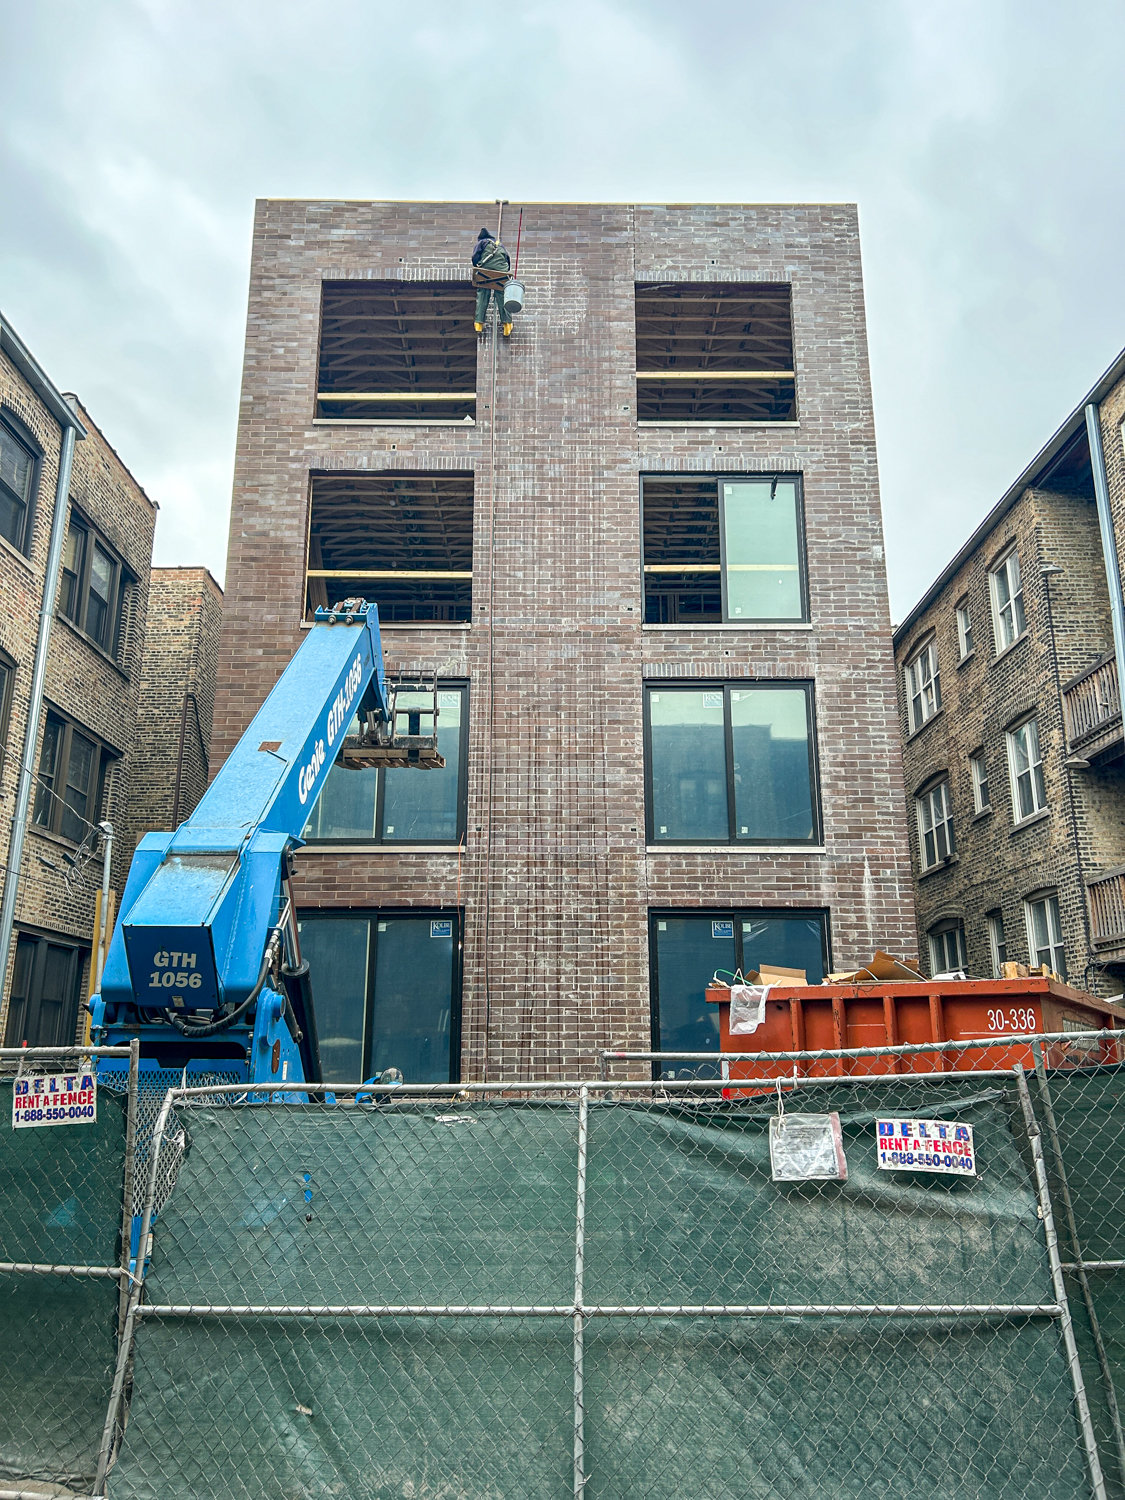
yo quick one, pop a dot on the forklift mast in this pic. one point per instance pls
(205, 961)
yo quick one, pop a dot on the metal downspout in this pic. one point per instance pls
(35, 704)
(1109, 540)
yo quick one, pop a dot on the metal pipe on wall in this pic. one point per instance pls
(35, 703)
(1109, 540)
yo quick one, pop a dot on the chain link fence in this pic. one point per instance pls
(606, 1289)
(64, 1263)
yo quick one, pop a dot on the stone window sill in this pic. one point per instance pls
(985, 812)
(1039, 817)
(922, 728)
(344, 847)
(967, 658)
(944, 864)
(766, 849)
(93, 645)
(1000, 655)
(14, 552)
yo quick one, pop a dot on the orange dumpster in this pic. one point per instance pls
(833, 1017)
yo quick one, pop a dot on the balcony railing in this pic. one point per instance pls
(1107, 908)
(1093, 703)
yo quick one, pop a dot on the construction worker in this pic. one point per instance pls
(492, 270)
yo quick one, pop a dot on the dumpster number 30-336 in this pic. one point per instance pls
(1020, 1018)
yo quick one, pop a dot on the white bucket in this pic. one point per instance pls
(513, 297)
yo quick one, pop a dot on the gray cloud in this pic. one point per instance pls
(983, 144)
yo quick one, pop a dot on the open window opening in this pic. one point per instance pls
(402, 539)
(715, 352)
(729, 549)
(397, 351)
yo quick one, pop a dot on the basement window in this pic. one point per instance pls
(397, 351)
(401, 538)
(729, 550)
(715, 352)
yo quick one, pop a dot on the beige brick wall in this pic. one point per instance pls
(82, 681)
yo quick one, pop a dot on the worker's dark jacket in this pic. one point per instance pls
(492, 256)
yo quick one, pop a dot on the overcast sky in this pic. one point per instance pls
(984, 145)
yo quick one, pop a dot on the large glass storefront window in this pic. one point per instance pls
(386, 992)
(686, 949)
(404, 806)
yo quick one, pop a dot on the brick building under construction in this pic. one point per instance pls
(638, 545)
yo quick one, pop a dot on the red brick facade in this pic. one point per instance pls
(554, 877)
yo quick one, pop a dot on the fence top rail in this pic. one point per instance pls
(70, 1051)
(284, 1093)
(902, 1049)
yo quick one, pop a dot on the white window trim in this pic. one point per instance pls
(1018, 816)
(991, 922)
(965, 643)
(922, 802)
(998, 642)
(928, 653)
(978, 771)
(942, 967)
(1056, 945)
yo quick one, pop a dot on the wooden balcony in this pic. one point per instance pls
(1093, 710)
(1107, 909)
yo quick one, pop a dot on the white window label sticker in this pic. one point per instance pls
(712, 700)
(722, 929)
(55, 1099)
(926, 1146)
(442, 928)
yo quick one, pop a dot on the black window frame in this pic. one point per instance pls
(737, 915)
(444, 685)
(19, 433)
(27, 1005)
(375, 914)
(726, 686)
(8, 670)
(47, 792)
(721, 478)
(76, 610)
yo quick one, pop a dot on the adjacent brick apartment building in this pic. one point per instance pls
(78, 752)
(176, 699)
(1011, 717)
(639, 547)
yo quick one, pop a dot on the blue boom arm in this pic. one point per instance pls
(195, 963)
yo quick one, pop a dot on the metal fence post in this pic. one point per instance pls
(579, 1281)
(137, 1288)
(1093, 1460)
(131, 1099)
(1079, 1263)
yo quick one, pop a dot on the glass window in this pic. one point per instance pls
(731, 764)
(93, 587)
(688, 765)
(687, 949)
(73, 561)
(386, 989)
(935, 825)
(997, 943)
(728, 551)
(947, 948)
(761, 556)
(923, 686)
(1044, 934)
(71, 780)
(1007, 602)
(1025, 763)
(401, 806)
(17, 473)
(979, 773)
(964, 630)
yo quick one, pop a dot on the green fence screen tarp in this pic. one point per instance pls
(476, 1205)
(60, 1191)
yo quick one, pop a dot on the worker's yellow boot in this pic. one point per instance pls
(506, 329)
(479, 327)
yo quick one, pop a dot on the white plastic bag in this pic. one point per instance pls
(747, 1007)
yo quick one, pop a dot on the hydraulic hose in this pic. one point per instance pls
(210, 1028)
